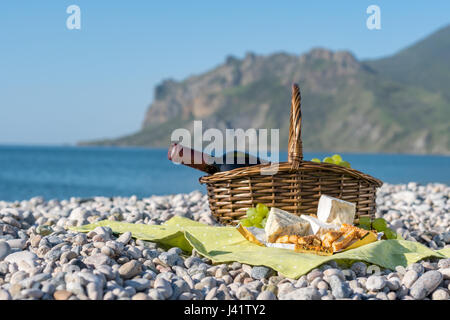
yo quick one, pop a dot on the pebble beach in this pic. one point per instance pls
(41, 259)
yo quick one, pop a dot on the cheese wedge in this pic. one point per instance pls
(335, 211)
(249, 235)
(319, 227)
(368, 238)
(280, 223)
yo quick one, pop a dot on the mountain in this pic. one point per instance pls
(424, 64)
(398, 104)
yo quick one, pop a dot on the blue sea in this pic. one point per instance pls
(64, 172)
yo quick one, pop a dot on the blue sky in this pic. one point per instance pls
(61, 86)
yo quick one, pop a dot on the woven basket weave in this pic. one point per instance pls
(296, 187)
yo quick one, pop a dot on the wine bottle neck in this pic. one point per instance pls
(207, 163)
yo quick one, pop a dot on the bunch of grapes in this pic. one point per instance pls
(378, 224)
(335, 159)
(256, 217)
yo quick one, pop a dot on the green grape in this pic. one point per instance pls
(336, 158)
(328, 160)
(315, 160)
(251, 212)
(365, 221)
(389, 234)
(379, 224)
(246, 222)
(256, 219)
(263, 222)
(261, 214)
(262, 209)
(344, 164)
(258, 225)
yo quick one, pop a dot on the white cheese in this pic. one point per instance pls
(319, 227)
(280, 223)
(335, 211)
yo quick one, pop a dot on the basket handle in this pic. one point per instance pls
(295, 149)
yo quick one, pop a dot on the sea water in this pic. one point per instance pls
(64, 172)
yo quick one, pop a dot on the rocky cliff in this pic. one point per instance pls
(348, 105)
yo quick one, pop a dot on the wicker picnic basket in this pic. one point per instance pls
(296, 187)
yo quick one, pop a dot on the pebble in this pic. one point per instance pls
(375, 283)
(392, 295)
(243, 293)
(400, 270)
(26, 256)
(423, 286)
(97, 259)
(409, 278)
(17, 243)
(130, 269)
(124, 237)
(163, 287)
(302, 294)
(334, 272)
(316, 273)
(381, 296)
(393, 284)
(285, 288)
(417, 267)
(139, 284)
(41, 259)
(179, 287)
(5, 295)
(80, 239)
(107, 251)
(445, 273)
(349, 274)
(442, 264)
(359, 268)
(322, 285)
(62, 295)
(5, 250)
(94, 291)
(169, 258)
(301, 283)
(140, 296)
(247, 269)
(211, 295)
(266, 295)
(261, 272)
(339, 288)
(440, 294)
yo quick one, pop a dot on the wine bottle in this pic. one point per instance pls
(207, 163)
